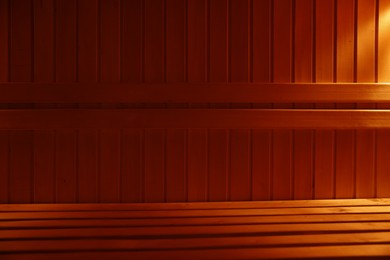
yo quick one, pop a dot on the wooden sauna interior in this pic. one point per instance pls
(161, 42)
(153, 102)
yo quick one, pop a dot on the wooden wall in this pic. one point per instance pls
(192, 41)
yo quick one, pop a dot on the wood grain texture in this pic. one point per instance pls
(260, 93)
(197, 140)
(88, 69)
(4, 167)
(4, 77)
(66, 72)
(256, 230)
(176, 64)
(197, 181)
(279, 119)
(324, 72)
(20, 142)
(132, 166)
(109, 139)
(155, 183)
(345, 72)
(365, 72)
(383, 76)
(4, 40)
(303, 72)
(44, 145)
(132, 70)
(282, 72)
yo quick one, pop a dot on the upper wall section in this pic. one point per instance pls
(194, 41)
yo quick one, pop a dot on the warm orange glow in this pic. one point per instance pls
(384, 42)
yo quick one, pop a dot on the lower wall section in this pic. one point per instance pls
(168, 165)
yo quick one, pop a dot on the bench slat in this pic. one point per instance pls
(193, 213)
(241, 253)
(194, 221)
(196, 205)
(193, 243)
(35, 119)
(165, 231)
(274, 230)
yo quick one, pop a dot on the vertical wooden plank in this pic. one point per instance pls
(87, 166)
(4, 48)
(155, 72)
(218, 164)
(261, 165)
(365, 139)
(197, 165)
(132, 70)
(176, 165)
(44, 146)
(239, 40)
(345, 41)
(218, 26)
(110, 41)
(303, 68)
(4, 167)
(109, 166)
(176, 72)
(87, 73)
(44, 167)
(21, 41)
(366, 41)
(132, 166)
(240, 172)
(175, 40)
(324, 32)
(239, 50)
(154, 41)
(87, 41)
(131, 51)
(66, 68)
(218, 141)
(4, 77)
(197, 148)
(43, 40)
(21, 142)
(261, 40)
(345, 139)
(383, 136)
(282, 52)
(65, 158)
(65, 40)
(303, 36)
(21, 175)
(261, 73)
(197, 40)
(154, 165)
(109, 139)
(282, 71)
(324, 72)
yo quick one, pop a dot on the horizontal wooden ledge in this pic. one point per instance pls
(287, 252)
(192, 221)
(191, 231)
(195, 205)
(194, 93)
(24, 119)
(12, 216)
(368, 238)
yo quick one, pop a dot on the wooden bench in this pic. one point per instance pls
(213, 230)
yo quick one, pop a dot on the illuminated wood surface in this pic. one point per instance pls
(194, 118)
(234, 230)
(192, 93)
